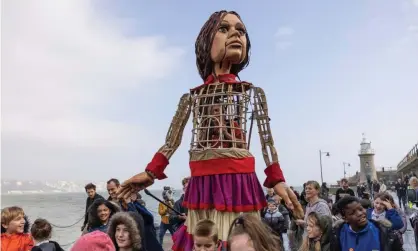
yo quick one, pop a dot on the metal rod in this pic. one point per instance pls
(156, 198)
(320, 164)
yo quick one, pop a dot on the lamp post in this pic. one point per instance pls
(348, 164)
(320, 162)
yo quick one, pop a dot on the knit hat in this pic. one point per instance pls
(94, 241)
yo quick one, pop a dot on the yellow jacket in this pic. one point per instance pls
(164, 212)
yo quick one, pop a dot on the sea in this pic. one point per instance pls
(65, 209)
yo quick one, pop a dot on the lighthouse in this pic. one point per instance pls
(367, 168)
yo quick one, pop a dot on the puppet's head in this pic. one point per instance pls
(223, 43)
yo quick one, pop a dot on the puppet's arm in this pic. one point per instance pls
(275, 178)
(173, 139)
(155, 169)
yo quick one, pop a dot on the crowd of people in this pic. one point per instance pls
(351, 222)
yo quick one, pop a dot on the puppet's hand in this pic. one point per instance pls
(134, 185)
(290, 199)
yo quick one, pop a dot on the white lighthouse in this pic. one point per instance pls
(367, 168)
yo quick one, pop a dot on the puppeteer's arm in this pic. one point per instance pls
(275, 178)
(173, 139)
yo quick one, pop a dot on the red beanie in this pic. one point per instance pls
(94, 241)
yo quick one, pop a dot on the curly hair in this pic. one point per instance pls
(93, 218)
(204, 42)
(124, 218)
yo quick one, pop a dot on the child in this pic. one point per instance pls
(318, 236)
(356, 232)
(384, 209)
(125, 232)
(249, 233)
(14, 230)
(205, 236)
(275, 219)
(41, 233)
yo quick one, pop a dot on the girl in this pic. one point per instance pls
(100, 213)
(205, 236)
(248, 233)
(125, 232)
(318, 233)
(383, 209)
(41, 231)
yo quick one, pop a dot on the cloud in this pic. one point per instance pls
(283, 37)
(415, 2)
(60, 61)
(413, 29)
(285, 31)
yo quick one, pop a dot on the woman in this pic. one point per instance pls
(315, 204)
(318, 236)
(383, 209)
(100, 213)
(125, 232)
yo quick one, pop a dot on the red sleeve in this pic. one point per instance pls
(157, 166)
(274, 175)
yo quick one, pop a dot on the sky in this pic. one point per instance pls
(89, 88)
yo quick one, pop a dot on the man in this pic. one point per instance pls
(92, 196)
(356, 232)
(343, 191)
(375, 187)
(175, 219)
(401, 189)
(112, 187)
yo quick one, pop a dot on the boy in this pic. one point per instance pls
(275, 219)
(14, 228)
(356, 232)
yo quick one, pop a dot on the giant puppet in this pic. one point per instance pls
(223, 182)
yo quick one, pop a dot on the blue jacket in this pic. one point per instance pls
(391, 215)
(375, 236)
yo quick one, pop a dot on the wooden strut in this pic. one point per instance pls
(263, 123)
(175, 132)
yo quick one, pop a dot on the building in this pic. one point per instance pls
(367, 167)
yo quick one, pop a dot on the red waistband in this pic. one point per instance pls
(222, 166)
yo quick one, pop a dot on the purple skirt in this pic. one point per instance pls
(239, 192)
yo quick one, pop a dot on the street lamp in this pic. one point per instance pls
(320, 162)
(348, 164)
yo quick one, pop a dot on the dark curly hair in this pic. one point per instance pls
(204, 42)
(344, 202)
(94, 220)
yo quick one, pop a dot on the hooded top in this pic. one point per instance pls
(17, 242)
(391, 215)
(94, 241)
(325, 224)
(132, 227)
(375, 236)
(275, 220)
(320, 207)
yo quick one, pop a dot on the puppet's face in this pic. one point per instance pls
(230, 42)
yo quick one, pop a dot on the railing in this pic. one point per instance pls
(413, 153)
(366, 151)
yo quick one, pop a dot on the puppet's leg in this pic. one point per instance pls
(275, 178)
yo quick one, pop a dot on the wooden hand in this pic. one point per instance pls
(290, 199)
(134, 185)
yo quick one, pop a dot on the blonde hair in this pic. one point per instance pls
(8, 214)
(324, 223)
(206, 228)
(413, 180)
(313, 183)
(261, 236)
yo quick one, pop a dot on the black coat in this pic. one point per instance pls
(90, 202)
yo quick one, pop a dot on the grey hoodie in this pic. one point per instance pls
(320, 207)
